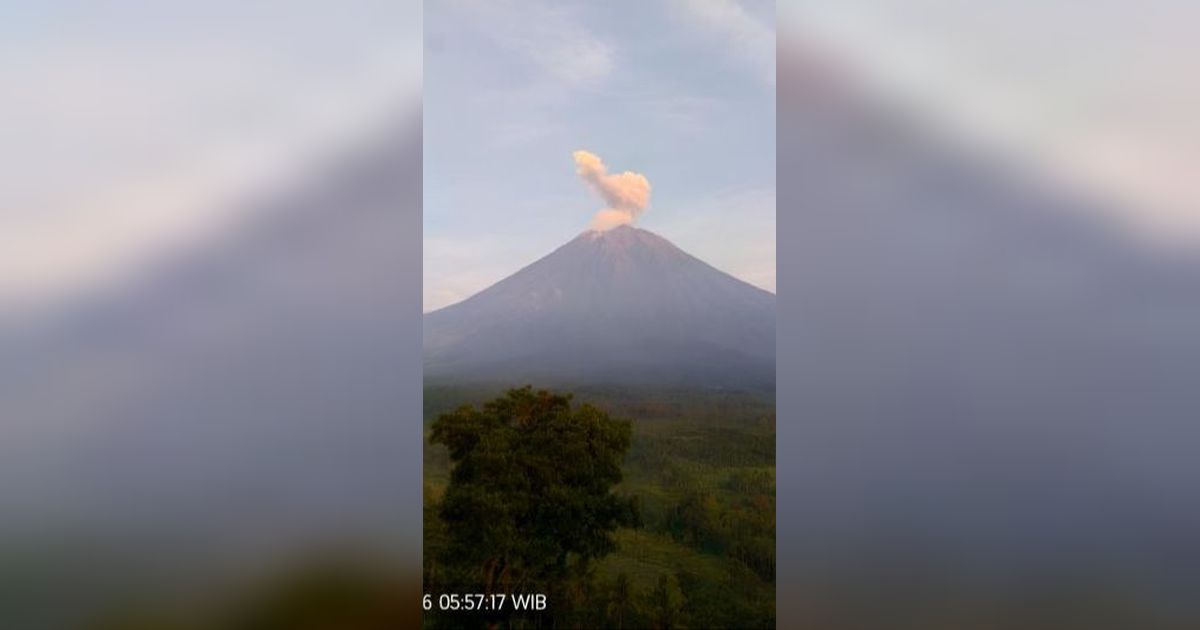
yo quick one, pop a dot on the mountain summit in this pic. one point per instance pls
(621, 306)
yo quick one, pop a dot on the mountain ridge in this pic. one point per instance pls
(617, 306)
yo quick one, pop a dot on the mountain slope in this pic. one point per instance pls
(621, 306)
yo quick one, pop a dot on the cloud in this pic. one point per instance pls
(546, 34)
(685, 112)
(627, 194)
(747, 36)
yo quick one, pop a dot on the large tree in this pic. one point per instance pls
(531, 496)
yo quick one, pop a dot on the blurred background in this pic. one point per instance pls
(209, 314)
(988, 262)
(210, 298)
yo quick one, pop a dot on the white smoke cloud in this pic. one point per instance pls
(627, 194)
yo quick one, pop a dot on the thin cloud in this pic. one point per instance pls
(685, 112)
(547, 35)
(747, 36)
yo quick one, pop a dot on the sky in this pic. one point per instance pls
(129, 126)
(131, 129)
(682, 93)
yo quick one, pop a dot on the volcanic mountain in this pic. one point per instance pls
(620, 306)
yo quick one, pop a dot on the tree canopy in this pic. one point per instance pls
(531, 494)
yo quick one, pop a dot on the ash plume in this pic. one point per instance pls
(627, 194)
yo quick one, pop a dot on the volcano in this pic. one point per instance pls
(620, 306)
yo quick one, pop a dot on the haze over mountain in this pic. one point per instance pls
(619, 306)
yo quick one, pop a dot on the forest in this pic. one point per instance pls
(683, 532)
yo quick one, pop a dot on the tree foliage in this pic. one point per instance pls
(621, 610)
(530, 499)
(701, 465)
(666, 603)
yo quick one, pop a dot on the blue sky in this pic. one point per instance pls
(681, 92)
(130, 126)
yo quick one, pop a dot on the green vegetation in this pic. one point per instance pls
(530, 503)
(701, 467)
